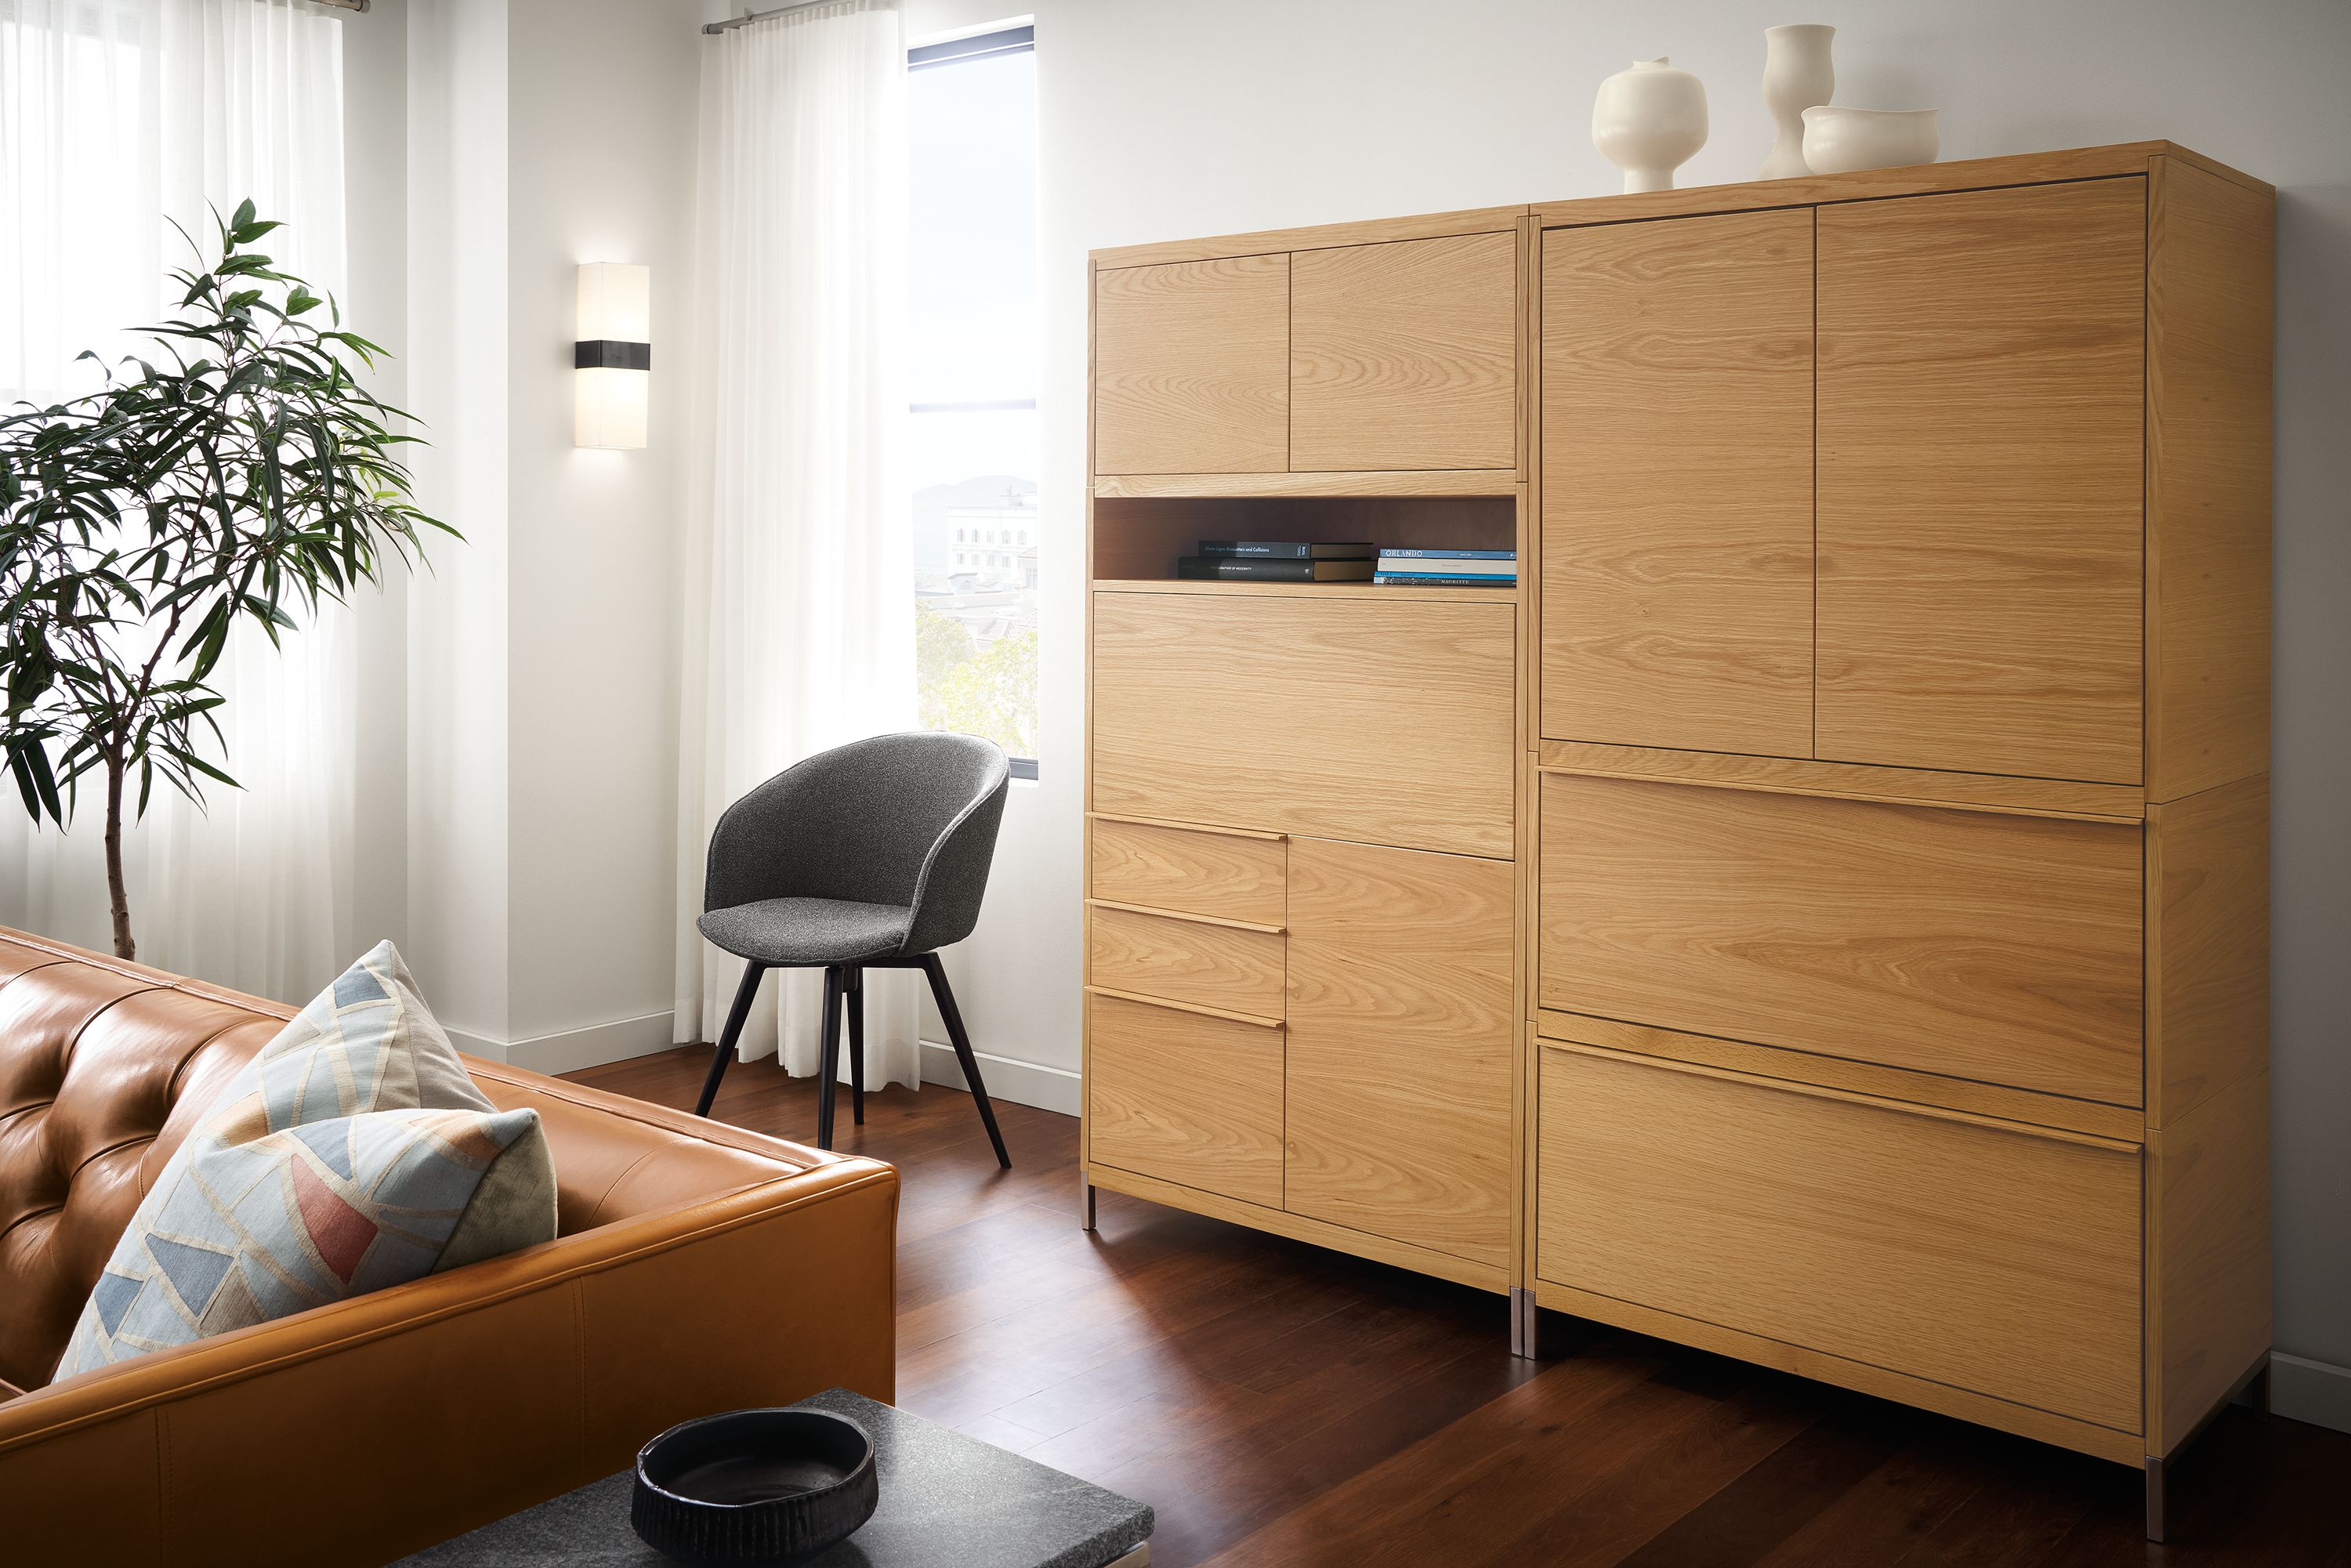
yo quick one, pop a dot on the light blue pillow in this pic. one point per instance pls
(352, 1152)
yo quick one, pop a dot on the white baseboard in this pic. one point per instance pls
(572, 1050)
(2306, 1390)
(1023, 1082)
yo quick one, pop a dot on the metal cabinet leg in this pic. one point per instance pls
(1085, 1203)
(2155, 1499)
(1523, 1323)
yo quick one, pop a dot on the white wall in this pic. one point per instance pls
(601, 154)
(540, 674)
(1198, 117)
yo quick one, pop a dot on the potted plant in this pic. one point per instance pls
(240, 473)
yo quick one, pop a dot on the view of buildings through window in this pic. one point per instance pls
(973, 355)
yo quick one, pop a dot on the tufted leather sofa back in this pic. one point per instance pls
(104, 1067)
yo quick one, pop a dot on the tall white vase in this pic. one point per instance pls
(1797, 76)
(1649, 120)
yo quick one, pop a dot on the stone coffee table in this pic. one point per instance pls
(947, 1502)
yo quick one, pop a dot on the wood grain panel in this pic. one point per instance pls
(2091, 1117)
(1304, 1228)
(2004, 950)
(1384, 723)
(2208, 945)
(1850, 780)
(2207, 1255)
(1923, 179)
(1398, 1090)
(1965, 1404)
(1981, 593)
(1186, 1097)
(2211, 255)
(1184, 960)
(1317, 236)
(1192, 367)
(1358, 483)
(1980, 1257)
(1195, 872)
(1677, 484)
(1404, 355)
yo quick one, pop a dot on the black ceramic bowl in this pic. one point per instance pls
(755, 1489)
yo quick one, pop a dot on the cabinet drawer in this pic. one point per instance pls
(1345, 718)
(1222, 876)
(1184, 960)
(1188, 1098)
(1404, 355)
(2005, 949)
(1975, 1255)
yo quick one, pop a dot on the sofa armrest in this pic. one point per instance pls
(729, 1270)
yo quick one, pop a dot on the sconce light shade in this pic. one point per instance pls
(612, 361)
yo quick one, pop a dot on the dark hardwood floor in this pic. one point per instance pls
(1277, 1404)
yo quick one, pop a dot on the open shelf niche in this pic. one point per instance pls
(1138, 539)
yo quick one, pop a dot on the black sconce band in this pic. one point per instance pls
(612, 354)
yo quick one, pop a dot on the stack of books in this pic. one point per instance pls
(1277, 560)
(1455, 568)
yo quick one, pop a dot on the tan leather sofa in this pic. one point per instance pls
(698, 1268)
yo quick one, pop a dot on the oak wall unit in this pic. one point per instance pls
(1820, 914)
(1303, 865)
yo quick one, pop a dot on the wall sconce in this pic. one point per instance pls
(613, 361)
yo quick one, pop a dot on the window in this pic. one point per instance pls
(973, 353)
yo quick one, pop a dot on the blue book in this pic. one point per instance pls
(1450, 554)
(1438, 580)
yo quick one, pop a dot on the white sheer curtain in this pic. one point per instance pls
(800, 613)
(117, 118)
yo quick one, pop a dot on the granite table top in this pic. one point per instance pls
(948, 1500)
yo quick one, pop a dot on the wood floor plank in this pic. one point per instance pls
(1277, 1403)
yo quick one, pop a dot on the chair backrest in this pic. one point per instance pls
(906, 820)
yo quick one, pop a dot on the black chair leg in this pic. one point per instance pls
(855, 1001)
(752, 975)
(962, 1043)
(829, 1058)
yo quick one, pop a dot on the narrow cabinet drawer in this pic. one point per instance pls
(2005, 949)
(1194, 961)
(1227, 876)
(1979, 1255)
(1186, 1097)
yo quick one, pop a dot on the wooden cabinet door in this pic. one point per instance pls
(1404, 355)
(1971, 1253)
(1677, 483)
(1332, 715)
(1192, 367)
(1982, 362)
(1976, 945)
(1398, 1090)
(1184, 1097)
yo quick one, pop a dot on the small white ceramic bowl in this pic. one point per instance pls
(1840, 140)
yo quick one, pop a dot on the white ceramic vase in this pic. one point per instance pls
(1649, 120)
(1840, 140)
(1797, 76)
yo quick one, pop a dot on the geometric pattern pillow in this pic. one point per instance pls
(353, 1152)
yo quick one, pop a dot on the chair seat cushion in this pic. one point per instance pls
(809, 931)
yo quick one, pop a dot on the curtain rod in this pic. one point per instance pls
(346, 4)
(733, 22)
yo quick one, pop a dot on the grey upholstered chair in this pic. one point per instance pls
(870, 856)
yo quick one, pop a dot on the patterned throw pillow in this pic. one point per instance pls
(351, 1154)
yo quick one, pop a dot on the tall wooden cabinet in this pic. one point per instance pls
(1822, 915)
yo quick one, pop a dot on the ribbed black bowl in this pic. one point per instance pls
(754, 1489)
